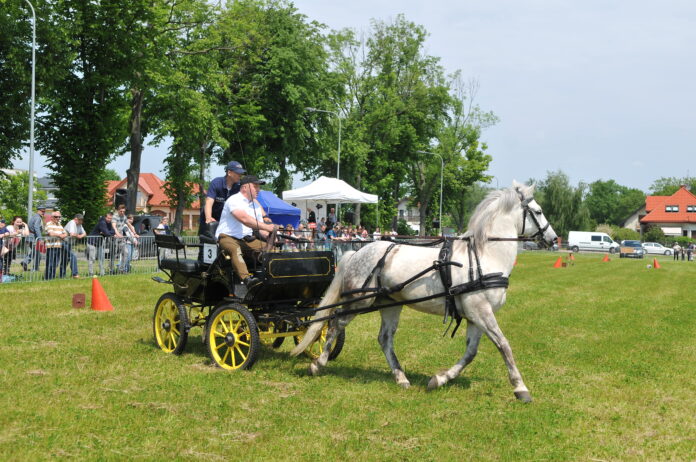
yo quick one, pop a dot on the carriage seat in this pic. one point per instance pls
(182, 265)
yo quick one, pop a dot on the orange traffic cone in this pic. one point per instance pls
(100, 302)
(656, 265)
(606, 257)
(559, 263)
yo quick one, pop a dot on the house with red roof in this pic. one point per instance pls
(675, 214)
(151, 199)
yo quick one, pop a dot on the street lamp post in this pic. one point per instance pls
(338, 164)
(442, 169)
(30, 207)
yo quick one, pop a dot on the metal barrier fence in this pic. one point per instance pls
(27, 260)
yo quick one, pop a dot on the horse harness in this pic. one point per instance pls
(477, 280)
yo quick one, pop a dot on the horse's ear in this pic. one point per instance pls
(531, 189)
(520, 189)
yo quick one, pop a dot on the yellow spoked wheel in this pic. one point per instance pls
(232, 337)
(316, 348)
(270, 328)
(170, 324)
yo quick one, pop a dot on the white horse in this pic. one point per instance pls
(497, 223)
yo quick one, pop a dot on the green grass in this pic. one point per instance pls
(606, 349)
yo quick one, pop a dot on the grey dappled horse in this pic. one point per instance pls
(498, 220)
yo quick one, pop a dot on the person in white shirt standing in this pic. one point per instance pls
(75, 231)
(241, 215)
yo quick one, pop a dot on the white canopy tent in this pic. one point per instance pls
(325, 191)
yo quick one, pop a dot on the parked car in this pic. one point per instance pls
(532, 245)
(657, 248)
(631, 249)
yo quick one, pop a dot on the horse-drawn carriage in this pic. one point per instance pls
(237, 319)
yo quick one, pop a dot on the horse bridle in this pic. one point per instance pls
(532, 214)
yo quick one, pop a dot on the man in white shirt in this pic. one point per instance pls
(75, 231)
(241, 215)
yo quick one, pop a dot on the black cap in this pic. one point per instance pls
(236, 167)
(41, 207)
(251, 179)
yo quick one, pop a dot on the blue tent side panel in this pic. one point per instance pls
(280, 212)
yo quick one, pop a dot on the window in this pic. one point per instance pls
(607, 239)
(691, 208)
(671, 208)
(596, 238)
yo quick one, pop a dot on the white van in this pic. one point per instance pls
(590, 240)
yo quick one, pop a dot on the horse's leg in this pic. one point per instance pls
(486, 321)
(473, 337)
(390, 321)
(336, 326)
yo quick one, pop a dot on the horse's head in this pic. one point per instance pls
(534, 224)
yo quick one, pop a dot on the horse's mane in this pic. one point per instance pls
(495, 203)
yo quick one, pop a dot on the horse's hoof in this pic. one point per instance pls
(405, 385)
(434, 384)
(523, 396)
(313, 369)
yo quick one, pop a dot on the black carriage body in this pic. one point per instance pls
(288, 276)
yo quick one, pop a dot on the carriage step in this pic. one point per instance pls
(160, 280)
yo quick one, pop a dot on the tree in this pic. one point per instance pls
(83, 116)
(14, 190)
(609, 202)
(666, 186)
(654, 234)
(462, 204)
(111, 175)
(15, 79)
(563, 204)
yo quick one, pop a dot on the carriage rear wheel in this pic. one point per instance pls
(232, 337)
(315, 349)
(170, 324)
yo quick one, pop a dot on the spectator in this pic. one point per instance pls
(163, 227)
(376, 235)
(16, 231)
(320, 238)
(3, 248)
(75, 231)
(35, 233)
(54, 246)
(331, 218)
(119, 219)
(676, 249)
(130, 240)
(100, 236)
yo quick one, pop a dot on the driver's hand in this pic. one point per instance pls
(210, 220)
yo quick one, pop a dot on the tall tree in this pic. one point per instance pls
(14, 190)
(666, 186)
(15, 79)
(83, 117)
(563, 204)
(610, 202)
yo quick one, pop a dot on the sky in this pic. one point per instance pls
(597, 89)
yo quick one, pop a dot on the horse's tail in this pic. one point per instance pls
(332, 295)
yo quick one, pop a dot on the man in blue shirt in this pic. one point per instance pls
(219, 190)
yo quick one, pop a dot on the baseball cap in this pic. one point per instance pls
(41, 207)
(251, 179)
(236, 167)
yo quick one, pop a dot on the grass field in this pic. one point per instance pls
(607, 350)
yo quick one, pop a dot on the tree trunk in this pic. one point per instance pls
(201, 178)
(179, 211)
(136, 145)
(356, 216)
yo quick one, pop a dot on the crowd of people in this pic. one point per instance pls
(47, 237)
(685, 252)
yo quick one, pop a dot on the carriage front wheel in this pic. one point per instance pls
(170, 324)
(316, 348)
(232, 337)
